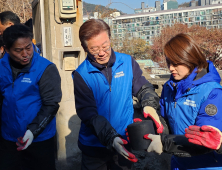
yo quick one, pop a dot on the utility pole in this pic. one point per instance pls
(61, 45)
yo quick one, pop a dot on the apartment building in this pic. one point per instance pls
(148, 25)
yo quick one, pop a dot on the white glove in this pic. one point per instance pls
(118, 146)
(155, 145)
(24, 142)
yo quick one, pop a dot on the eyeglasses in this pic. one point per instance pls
(171, 63)
(96, 50)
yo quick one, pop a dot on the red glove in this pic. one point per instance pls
(118, 145)
(207, 136)
(151, 112)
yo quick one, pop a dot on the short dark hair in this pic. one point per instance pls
(14, 32)
(182, 50)
(1, 42)
(92, 28)
(7, 16)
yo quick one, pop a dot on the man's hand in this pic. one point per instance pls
(118, 145)
(207, 136)
(24, 142)
(151, 112)
(155, 145)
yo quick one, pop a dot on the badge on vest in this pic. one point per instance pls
(211, 109)
(190, 103)
(120, 74)
(26, 80)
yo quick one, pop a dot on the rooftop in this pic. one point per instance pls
(168, 11)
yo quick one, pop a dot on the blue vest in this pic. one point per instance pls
(182, 113)
(22, 100)
(114, 101)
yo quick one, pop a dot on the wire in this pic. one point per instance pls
(55, 16)
(120, 3)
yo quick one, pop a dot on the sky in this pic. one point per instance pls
(127, 6)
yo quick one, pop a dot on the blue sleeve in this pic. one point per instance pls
(210, 112)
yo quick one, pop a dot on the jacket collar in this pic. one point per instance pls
(6, 62)
(194, 79)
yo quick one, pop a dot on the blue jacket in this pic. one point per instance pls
(22, 100)
(190, 102)
(114, 101)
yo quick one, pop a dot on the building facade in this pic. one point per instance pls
(193, 3)
(169, 5)
(148, 25)
(216, 1)
(144, 9)
(157, 5)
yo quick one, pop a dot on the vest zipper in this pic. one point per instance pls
(109, 90)
(108, 78)
(175, 89)
(14, 78)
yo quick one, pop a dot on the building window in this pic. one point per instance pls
(138, 19)
(185, 14)
(202, 12)
(119, 21)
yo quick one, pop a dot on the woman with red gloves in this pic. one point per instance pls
(190, 97)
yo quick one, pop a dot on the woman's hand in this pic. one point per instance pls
(207, 136)
(155, 145)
